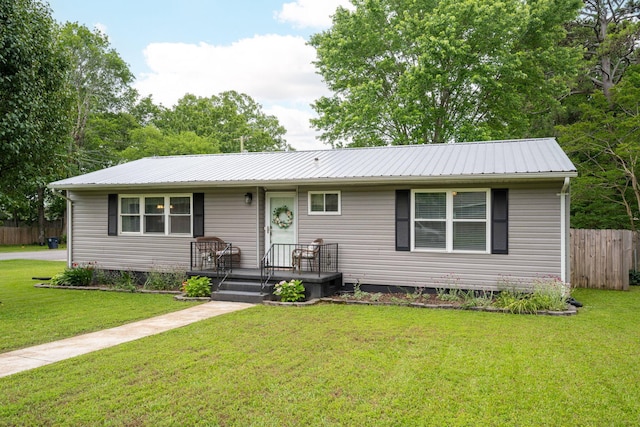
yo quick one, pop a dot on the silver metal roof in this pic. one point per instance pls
(527, 158)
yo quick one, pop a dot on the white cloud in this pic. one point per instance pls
(299, 133)
(310, 13)
(270, 68)
(276, 71)
(100, 27)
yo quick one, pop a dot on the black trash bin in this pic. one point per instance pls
(52, 242)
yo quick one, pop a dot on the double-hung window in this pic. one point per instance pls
(451, 220)
(130, 214)
(155, 214)
(324, 203)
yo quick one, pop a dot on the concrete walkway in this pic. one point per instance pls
(44, 354)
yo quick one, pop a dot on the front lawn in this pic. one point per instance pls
(30, 316)
(354, 366)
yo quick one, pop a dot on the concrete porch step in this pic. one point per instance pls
(245, 285)
(239, 296)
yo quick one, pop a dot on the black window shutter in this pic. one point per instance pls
(500, 221)
(112, 213)
(198, 214)
(403, 217)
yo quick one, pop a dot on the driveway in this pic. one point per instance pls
(48, 255)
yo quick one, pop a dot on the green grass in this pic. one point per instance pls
(30, 316)
(354, 366)
(26, 248)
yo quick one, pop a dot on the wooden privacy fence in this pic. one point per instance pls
(601, 259)
(26, 235)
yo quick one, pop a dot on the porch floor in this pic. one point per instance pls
(278, 275)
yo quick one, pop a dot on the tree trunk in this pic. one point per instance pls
(41, 223)
(605, 60)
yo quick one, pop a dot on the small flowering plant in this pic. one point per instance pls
(77, 275)
(290, 291)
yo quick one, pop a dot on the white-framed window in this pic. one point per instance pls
(155, 214)
(451, 220)
(325, 203)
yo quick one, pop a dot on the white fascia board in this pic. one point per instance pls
(324, 181)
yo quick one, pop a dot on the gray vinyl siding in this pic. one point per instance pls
(90, 242)
(226, 216)
(365, 233)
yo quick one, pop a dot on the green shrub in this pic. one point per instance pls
(290, 291)
(77, 275)
(197, 286)
(634, 277)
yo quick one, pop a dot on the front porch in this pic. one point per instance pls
(315, 265)
(245, 285)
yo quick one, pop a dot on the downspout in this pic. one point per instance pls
(258, 234)
(69, 224)
(564, 252)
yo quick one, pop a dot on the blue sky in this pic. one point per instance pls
(205, 47)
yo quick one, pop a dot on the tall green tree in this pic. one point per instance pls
(434, 71)
(150, 141)
(145, 111)
(33, 105)
(607, 32)
(605, 145)
(33, 116)
(597, 127)
(101, 85)
(106, 135)
(229, 120)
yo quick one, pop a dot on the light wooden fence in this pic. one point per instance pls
(26, 235)
(601, 259)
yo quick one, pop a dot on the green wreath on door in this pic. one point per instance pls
(283, 221)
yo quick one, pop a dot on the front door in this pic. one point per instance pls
(281, 220)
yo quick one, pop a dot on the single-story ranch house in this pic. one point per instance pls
(464, 215)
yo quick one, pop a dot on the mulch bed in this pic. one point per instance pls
(423, 301)
(106, 289)
(396, 299)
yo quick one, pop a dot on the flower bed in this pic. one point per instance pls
(548, 297)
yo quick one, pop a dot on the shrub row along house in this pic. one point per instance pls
(461, 215)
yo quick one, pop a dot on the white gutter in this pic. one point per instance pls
(563, 232)
(293, 181)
